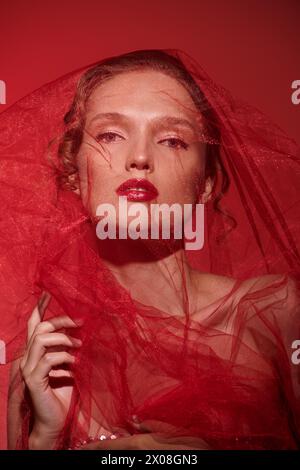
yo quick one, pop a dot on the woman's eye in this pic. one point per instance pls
(176, 143)
(108, 137)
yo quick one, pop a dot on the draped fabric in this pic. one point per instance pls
(223, 375)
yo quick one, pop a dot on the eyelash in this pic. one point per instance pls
(182, 144)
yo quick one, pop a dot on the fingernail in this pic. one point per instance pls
(135, 419)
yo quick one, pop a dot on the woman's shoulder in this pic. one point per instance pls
(271, 300)
(267, 287)
(276, 287)
(212, 287)
(216, 282)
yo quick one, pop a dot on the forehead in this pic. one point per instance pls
(144, 89)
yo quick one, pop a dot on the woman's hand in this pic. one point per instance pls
(148, 440)
(143, 442)
(41, 368)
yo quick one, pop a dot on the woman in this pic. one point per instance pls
(130, 341)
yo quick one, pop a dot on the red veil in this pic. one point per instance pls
(187, 378)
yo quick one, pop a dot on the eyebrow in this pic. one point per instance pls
(161, 120)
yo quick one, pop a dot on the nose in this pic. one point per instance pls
(140, 158)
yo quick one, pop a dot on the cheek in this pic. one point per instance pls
(98, 181)
(191, 188)
(185, 179)
(92, 178)
(195, 172)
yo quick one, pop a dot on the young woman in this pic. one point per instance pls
(136, 338)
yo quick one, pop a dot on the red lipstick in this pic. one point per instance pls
(137, 190)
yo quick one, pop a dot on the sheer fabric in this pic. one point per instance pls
(222, 377)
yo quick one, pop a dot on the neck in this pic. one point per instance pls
(154, 272)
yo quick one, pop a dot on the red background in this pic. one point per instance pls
(251, 47)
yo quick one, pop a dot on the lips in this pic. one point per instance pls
(137, 190)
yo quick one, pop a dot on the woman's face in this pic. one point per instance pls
(143, 125)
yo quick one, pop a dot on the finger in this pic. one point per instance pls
(142, 426)
(122, 443)
(56, 323)
(43, 302)
(40, 375)
(53, 324)
(39, 347)
(38, 313)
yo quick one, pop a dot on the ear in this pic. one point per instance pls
(207, 194)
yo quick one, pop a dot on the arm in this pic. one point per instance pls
(35, 373)
(149, 441)
(15, 397)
